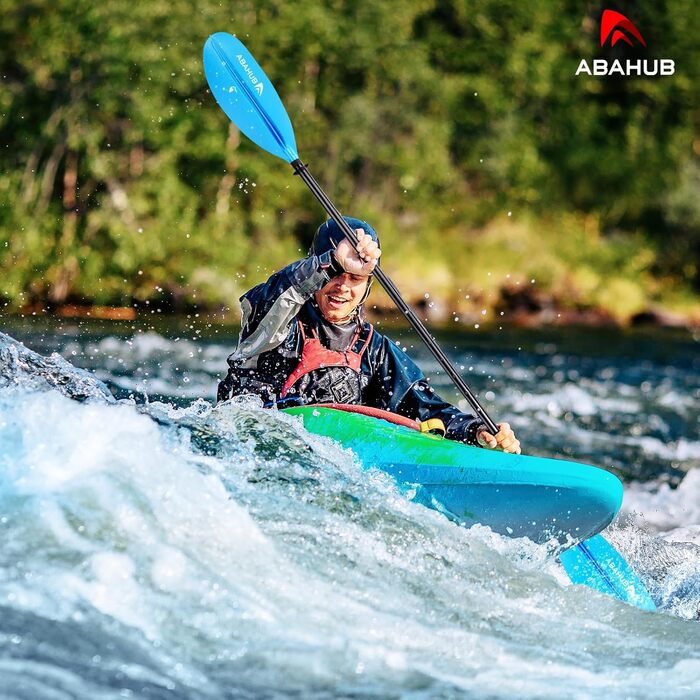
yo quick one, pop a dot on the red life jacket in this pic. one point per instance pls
(316, 356)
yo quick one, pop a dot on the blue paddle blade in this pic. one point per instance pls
(247, 96)
(597, 564)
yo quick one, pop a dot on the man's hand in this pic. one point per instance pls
(361, 261)
(503, 440)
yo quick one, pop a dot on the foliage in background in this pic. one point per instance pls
(121, 181)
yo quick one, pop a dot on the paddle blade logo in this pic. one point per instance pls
(611, 25)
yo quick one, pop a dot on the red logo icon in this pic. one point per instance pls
(613, 23)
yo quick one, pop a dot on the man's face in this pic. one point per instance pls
(341, 296)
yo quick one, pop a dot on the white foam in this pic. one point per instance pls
(274, 559)
(663, 508)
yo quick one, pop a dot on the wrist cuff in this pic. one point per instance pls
(475, 431)
(464, 428)
(329, 265)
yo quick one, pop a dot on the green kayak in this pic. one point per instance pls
(515, 495)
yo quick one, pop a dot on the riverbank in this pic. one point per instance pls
(523, 310)
(527, 271)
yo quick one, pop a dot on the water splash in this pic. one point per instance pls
(202, 551)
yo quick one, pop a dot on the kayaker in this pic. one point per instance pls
(304, 340)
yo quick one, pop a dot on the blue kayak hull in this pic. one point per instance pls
(515, 495)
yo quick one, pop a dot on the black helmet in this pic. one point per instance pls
(329, 234)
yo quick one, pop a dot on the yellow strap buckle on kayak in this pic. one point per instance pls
(433, 425)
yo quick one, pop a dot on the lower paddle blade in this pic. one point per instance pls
(247, 96)
(597, 564)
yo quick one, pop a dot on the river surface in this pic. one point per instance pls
(157, 546)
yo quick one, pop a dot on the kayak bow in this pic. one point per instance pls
(515, 495)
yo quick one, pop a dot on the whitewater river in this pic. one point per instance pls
(156, 546)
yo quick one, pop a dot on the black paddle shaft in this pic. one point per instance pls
(303, 172)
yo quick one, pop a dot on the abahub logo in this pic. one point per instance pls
(257, 84)
(616, 28)
(612, 23)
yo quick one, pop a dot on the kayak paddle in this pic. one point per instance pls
(597, 564)
(250, 101)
